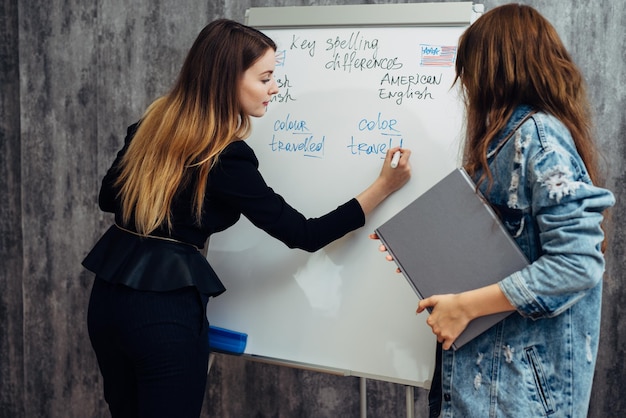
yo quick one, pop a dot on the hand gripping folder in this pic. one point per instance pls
(449, 240)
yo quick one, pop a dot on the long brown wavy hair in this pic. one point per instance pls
(510, 56)
(184, 131)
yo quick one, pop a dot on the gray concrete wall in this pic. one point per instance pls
(73, 75)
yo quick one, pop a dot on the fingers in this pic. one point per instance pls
(405, 152)
(442, 338)
(446, 341)
(392, 151)
(444, 323)
(381, 247)
(398, 174)
(403, 161)
(423, 305)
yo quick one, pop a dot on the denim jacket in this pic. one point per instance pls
(540, 360)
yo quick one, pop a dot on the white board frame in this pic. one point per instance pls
(402, 14)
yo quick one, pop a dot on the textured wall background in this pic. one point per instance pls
(73, 75)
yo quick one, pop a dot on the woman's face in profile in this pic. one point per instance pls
(258, 85)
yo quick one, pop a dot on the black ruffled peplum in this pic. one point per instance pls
(150, 263)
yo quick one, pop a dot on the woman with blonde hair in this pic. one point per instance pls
(183, 174)
(530, 149)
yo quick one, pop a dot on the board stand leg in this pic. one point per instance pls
(410, 400)
(410, 403)
(211, 360)
(363, 390)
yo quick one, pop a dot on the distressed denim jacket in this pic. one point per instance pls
(540, 360)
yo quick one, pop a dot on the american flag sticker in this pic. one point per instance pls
(437, 56)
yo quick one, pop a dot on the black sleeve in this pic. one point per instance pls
(236, 180)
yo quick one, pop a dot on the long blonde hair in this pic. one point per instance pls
(510, 56)
(181, 134)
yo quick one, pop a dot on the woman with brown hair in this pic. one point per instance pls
(530, 149)
(183, 174)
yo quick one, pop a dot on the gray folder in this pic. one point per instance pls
(449, 240)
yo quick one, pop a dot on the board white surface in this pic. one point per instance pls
(342, 309)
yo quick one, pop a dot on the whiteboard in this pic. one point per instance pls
(347, 94)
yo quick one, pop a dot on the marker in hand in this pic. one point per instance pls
(395, 159)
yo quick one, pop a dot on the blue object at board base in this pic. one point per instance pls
(223, 340)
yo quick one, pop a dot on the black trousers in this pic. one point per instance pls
(435, 396)
(152, 349)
